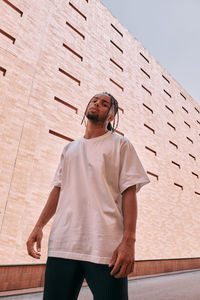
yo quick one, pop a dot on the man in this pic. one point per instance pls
(95, 207)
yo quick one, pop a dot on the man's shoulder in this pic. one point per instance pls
(120, 138)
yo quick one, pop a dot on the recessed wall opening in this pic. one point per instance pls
(14, 7)
(152, 174)
(62, 136)
(116, 46)
(192, 156)
(66, 104)
(187, 124)
(7, 35)
(165, 79)
(117, 30)
(168, 94)
(151, 110)
(176, 164)
(169, 109)
(149, 128)
(78, 11)
(172, 143)
(145, 73)
(148, 91)
(76, 30)
(72, 51)
(197, 176)
(70, 76)
(3, 71)
(144, 57)
(117, 84)
(183, 96)
(178, 185)
(116, 64)
(151, 150)
(171, 126)
(185, 109)
(119, 132)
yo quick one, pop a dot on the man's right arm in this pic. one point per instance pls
(46, 214)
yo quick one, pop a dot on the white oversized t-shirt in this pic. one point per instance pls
(92, 174)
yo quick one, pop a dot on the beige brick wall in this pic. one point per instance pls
(31, 54)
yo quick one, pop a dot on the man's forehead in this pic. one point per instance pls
(102, 96)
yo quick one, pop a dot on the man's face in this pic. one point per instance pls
(98, 108)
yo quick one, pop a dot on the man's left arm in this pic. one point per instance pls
(123, 257)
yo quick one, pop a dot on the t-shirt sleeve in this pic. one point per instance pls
(131, 169)
(58, 175)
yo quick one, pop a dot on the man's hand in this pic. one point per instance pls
(123, 260)
(35, 237)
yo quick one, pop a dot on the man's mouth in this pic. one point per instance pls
(92, 108)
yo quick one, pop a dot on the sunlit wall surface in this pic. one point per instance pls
(54, 56)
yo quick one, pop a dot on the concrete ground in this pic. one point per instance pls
(181, 286)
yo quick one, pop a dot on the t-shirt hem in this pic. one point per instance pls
(82, 257)
(139, 185)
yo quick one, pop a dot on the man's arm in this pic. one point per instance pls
(46, 214)
(123, 256)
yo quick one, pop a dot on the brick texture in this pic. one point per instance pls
(36, 68)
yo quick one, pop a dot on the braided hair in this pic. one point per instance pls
(113, 103)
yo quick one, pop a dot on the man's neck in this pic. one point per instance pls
(94, 132)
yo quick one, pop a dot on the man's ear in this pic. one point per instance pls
(110, 118)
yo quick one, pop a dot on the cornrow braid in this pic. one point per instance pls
(113, 103)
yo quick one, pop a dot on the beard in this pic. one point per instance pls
(92, 117)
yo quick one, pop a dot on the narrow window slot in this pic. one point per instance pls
(189, 139)
(117, 84)
(148, 91)
(66, 103)
(116, 46)
(114, 62)
(72, 27)
(151, 150)
(185, 109)
(74, 52)
(14, 7)
(168, 94)
(152, 174)
(197, 110)
(166, 79)
(183, 96)
(171, 126)
(149, 128)
(144, 57)
(151, 110)
(3, 71)
(187, 124)
(169, 109)
(178, 185)
(78, 11)
(145, 73)
(70, 76)
(8, 35)
(173, 144)
(119, 132)
(176, 164)
(197, 193)
(197, 176)
(62, 136)
(198, 122)
(116, 29)
(192, 156)
(122, 110)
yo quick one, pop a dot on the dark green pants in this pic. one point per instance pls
(64, 278)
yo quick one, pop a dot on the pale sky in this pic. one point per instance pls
(170, 31)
